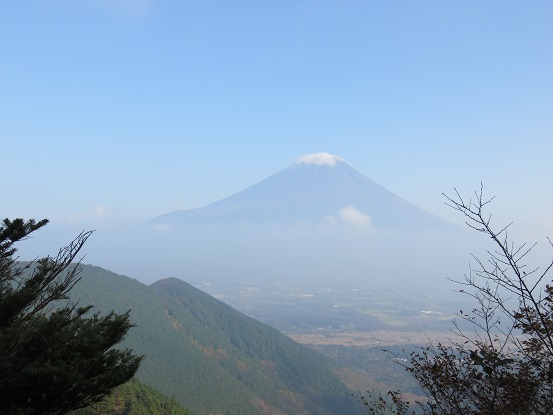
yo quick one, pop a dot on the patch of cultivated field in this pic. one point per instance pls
(370, 339)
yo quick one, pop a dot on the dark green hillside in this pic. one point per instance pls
(134, 398)
(210, 357)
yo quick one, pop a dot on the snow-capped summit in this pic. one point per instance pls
(320, 159)
(317, 187)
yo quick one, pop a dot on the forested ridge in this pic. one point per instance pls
(210, 357)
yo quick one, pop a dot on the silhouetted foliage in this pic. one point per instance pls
(53, 357)
(504, 367)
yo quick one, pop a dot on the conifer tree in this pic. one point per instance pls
(54, 357)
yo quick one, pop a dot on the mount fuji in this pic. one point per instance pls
(317, 188)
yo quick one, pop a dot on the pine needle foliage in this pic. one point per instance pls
(54, 357)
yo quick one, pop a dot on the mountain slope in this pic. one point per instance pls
(134, 398)
(212, 358)
(317, 187)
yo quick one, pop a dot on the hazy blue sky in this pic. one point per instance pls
(117, 110)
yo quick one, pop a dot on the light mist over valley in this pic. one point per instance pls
(316, 227)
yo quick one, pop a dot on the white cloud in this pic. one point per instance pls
(320, 159)
(352, 216)
(99, 212)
